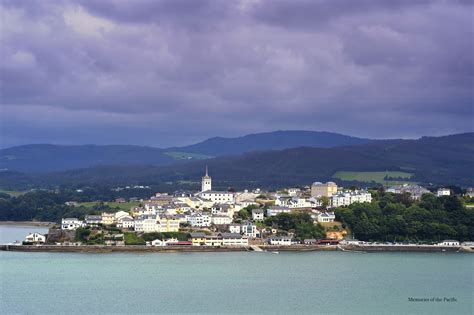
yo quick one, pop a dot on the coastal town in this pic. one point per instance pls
(225, 219)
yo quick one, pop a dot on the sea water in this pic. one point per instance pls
(237, 282)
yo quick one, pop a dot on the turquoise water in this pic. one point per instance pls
(244, 282)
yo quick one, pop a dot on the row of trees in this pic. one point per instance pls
(398, 218)
(44, 206)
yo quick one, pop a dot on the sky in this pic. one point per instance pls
(166, 73)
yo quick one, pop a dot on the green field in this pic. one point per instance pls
(122, 206)
(378, 177)
(13, 193)
(188, 156)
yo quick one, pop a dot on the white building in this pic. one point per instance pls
(443, 192)
(199, 220)
(257, 215)
(121, 214)
(249, 229)
(217, 196)
(35, 238)
(71, 223)
(280, 240)
(93, 220)
(448, 243)
(296, 202)
(148, 224)
(108, 218)
(326, 217)
(275, 210)
(234, 239)
(220, 220)
(415, 191)
(347, 198)
(235, 228)
(293, 191)
(126, 223)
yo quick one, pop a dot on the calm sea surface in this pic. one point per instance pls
(247, 282)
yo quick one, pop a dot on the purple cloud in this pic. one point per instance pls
(173, 72)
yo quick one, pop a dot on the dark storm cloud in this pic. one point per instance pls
(171, 72)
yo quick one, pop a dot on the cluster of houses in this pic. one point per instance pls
(416, 191)
(213, 210)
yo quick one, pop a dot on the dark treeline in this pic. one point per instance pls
(42, 205)
(397, 218)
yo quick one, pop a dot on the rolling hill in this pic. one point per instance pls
(438, 160)
(47, 157)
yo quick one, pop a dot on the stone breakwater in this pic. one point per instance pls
(403, 248)
(267, 248)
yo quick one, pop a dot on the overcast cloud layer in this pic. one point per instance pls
(166, 73)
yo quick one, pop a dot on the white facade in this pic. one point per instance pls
(347, 198)
(126, 222)
(234, 239)
(221, 220)
(148, 224)
(249, 229)
(199, 220)
(443, 192)
(71, 223)
(293, 191)
(280, 240)
(35, 238)
(257, 215)
(235, 228)
(275, 210)
(217, 196)
(326, 217)
(448, 243)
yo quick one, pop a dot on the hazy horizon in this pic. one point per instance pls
(191, 143)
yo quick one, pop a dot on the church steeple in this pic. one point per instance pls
(206, 183)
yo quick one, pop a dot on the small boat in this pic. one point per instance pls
(275, 252)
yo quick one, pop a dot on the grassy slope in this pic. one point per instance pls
(122, 206)
(187, 156)
(377, 177)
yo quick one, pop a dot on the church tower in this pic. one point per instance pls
(206, 183)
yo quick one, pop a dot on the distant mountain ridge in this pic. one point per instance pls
(276, 140)
(48, 157)
(438, 160)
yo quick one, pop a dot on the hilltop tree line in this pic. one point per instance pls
(398, 218)
(50, 206)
